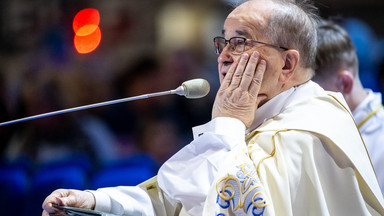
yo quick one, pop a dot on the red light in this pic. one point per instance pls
(87, 31)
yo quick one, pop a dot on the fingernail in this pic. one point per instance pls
(245, 56)
(255, 54)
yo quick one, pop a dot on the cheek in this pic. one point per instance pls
(269, 82)
(273, 69)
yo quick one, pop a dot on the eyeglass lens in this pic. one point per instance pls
(236, 44)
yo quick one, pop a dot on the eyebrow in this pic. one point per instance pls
(241, 33)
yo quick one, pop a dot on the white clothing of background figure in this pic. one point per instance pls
(369, 116)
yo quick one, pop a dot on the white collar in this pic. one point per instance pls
(278, 103)
(370, 103)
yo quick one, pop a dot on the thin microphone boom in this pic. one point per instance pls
(195, 88)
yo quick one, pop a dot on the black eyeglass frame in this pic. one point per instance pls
(245, 40)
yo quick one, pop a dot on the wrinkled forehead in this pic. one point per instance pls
(249, 18)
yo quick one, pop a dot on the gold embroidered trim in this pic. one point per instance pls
(255, 133)
(366, 150)
(369, 116)
(225, 196)
(226, 185)
(273, 149)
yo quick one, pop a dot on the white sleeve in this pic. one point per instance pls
(123, 200)
(188, 175)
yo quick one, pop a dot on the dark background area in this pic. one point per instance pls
(371, 11)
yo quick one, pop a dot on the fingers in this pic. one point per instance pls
(45, 213)
(237, 76)
(245, 73)
(68, 197)
(255, 82)
(249, 72)
(228, 77)
(53, 198)
(75, 199)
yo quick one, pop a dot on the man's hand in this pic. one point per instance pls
(67, 197)
(238, 94)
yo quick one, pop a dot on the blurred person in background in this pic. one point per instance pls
(57, 138)
(5, 132)
(141, 77)
(167, 141)
(274, 145)
(337, 70)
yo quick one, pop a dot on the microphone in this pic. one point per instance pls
(196, 88)
(191, 89)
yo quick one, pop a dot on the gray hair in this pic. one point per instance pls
(293, 25)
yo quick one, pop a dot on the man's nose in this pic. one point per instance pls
(225, 56)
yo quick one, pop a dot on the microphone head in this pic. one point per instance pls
(195, 88)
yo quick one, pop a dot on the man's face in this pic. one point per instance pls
(247, 21)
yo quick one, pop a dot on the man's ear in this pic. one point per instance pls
(345, 81)
(291, 60)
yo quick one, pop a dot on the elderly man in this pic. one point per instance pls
(337, 70)
(277, 143)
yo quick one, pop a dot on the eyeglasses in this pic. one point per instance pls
(237, 44)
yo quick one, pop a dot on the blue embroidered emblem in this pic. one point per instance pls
(242, 191)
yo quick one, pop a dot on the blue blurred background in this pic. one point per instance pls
(146, 46)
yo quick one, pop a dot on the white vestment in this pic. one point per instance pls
(370, 115)
(302, 156)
